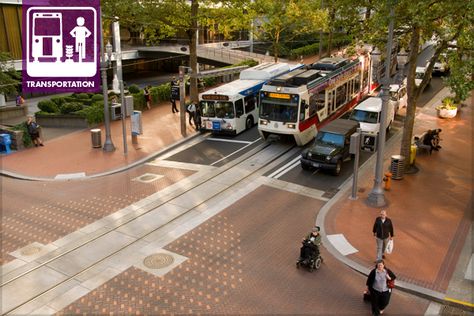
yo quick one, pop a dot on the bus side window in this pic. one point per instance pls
(249, 104)
(239, 108)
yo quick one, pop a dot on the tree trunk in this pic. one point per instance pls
(194, 94)
(412, 97)
(332, 15)
(276, 44)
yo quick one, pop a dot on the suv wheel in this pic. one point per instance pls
(337, 171)
(305, 166)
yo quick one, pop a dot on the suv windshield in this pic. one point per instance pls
(364, 116)
(330, 138)
(419, 75)
(393, 95)
(218, 109)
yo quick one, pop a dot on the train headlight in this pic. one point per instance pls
(291, 126)
(263, 122)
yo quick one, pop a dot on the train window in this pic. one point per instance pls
(320, 100)
(312, 107)
(239, 107)
(249, 104)
(340, 95)
(357, 84)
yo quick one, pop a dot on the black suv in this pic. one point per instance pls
(331, 146)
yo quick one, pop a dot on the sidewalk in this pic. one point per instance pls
(431, 211)
(72, 155)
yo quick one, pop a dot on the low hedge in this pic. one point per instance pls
(27, 142)
(94, 114)
(48, 106)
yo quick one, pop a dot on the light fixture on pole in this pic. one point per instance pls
(376, 196)
(402, 58)
(108, 145)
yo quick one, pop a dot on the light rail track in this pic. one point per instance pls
(253, 163)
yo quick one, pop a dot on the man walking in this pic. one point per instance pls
(383, 231)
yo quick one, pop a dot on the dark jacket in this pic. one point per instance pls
(383, 230)
(371, 277)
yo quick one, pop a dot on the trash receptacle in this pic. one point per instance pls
(96, 138)
(396, 167)
(5, 141)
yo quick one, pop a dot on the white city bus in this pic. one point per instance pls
(232, 107)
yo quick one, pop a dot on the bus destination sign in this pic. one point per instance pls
(215, 97)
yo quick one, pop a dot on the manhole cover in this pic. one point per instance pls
(30, 251)
(158, 261)
(148, 178)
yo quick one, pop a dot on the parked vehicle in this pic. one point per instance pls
(419, 75)
(331, 147)
(398, 96)
(369, 112)
(441, 66)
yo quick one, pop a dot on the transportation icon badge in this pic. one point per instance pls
(61, 42)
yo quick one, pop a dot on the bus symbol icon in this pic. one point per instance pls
(61, 42)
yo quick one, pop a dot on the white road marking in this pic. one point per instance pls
(341, 244)
(223, 158)
(276, 172)
(230, 140)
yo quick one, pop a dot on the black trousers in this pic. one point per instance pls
(379, 300)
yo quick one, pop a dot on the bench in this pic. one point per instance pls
(420, 142)
(429, 140)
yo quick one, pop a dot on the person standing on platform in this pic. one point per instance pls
(383, 231)
(192, 113)
(146, 93)
(174, 95)
(33, 131)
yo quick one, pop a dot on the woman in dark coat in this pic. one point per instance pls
(378, 288)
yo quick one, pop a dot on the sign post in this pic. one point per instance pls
(182, 101)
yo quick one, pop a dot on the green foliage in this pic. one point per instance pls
(209, 82)
(247, 62)
(139, 101)
(9, 77)
(460, 81)
(80, 96)
(27, 142)
(48, 106)
(70, 107)
(133, 89)
(94, 114)
(97, 97)
(58, 100)
(160, 93)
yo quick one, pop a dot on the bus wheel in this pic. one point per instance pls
(249, 122)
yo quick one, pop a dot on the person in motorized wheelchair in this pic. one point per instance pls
(309, 252)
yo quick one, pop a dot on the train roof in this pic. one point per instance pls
(330, 63)
(340, 126)
(296, 78)
(264, 71)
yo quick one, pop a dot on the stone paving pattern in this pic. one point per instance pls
(51, 210)
(426, 252)
(242, 261)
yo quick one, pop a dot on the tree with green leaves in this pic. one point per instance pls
(283, 20)
(416, 22)
(9, 77)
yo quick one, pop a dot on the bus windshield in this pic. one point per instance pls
(279, 111)
(364, 116)
(330, 138)
(218, 109)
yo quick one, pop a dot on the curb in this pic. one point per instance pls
(171, 147)
(345, 192)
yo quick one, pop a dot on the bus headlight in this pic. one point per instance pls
(291, 126)
(263, 122)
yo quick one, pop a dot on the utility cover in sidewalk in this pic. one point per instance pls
(148, 177)
(158, 261)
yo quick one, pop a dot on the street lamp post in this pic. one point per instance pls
(118, 62)
(376, 196)
(108, 145)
